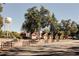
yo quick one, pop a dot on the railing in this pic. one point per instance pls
(10, 44)
(6, 45)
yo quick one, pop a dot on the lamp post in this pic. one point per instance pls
(8, 21)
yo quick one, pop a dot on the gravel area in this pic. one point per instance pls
(61, 48)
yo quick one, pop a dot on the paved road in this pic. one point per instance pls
(61, 48)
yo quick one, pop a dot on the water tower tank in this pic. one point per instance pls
(8, 20)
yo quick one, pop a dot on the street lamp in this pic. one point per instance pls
(8, 21)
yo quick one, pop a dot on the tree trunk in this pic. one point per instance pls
(30, 35)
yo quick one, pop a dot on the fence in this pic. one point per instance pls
(6, 45)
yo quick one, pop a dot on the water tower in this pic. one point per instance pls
(8, 21)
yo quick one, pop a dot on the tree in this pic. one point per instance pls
(44, 15)
(1, 18)
(55, 22)
(32, 20)
(35, 19)
(66, 26)
(73, 29)
(1, 8)
(78, 29)
(1, 21)
(77, 33)
(69, 27)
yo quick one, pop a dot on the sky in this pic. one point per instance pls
(17, 11)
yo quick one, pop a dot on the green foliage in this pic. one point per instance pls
(10, 34)
(1, 18)
(32, 21)
(0, 33)
(1, 21)
(40, 18)
(1, 8)
(69, 27)
(74, 28)
(35, 19)
(45, 17)
(54, 20)
(16, 35)
(47, 30)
